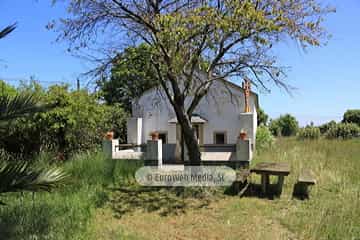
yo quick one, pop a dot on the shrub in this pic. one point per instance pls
(352, 116)
(262, 117)
(76, 123)
(309, 132)
(285, 125)
(326, 126)
(344, 131)
(264, 138)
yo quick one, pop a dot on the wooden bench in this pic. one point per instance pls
(306, 178)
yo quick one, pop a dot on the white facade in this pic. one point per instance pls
(222, 108)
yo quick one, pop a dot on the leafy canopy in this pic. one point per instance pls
(352, 116)
(131, 75)
(77, 122)
(233, 37)
(286, 125)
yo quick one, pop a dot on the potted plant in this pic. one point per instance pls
(154, 135)
(243, 134)
(109, 135)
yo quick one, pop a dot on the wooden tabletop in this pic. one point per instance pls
(272, 168)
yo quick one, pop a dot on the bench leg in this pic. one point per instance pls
(301, 191)
(264, 183)
(280, 184)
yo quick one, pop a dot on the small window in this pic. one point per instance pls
(220, 138)
(163, 137)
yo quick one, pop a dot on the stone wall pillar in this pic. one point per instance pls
(134, 131)
(109, 147)
(154, 151)
(243, 150)
(248, 123)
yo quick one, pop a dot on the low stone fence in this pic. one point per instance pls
(157, 153)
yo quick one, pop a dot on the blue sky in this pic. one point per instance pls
(327, 78)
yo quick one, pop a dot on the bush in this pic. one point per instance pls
(264, 138)
(78, 122)
(285, 125)
(352, 116)
(326, 126)
(262, 117)
(344, 131)
(309, 132)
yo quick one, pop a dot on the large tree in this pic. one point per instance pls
(131, 75)
(220, 38)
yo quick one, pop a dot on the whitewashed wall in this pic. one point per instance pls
(221, 107)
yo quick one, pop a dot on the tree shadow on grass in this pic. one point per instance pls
(164, 200)
(254, 190)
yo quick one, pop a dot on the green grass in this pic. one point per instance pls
(102, 201)
(67, 212)
(333, 211)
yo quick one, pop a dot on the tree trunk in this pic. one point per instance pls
(188, 133)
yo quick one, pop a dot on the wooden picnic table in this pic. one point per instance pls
(265, 169)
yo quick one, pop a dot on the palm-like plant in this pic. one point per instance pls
(4, 32)
(18, 176)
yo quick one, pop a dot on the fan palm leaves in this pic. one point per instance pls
(19, 106)
(4, 32)
(20, 175)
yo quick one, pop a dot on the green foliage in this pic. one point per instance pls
(20, 105)
(286, 125)
(76, 122)
(262, 117)
(79, 121)
(309, 132)
(131, 75)
(326, 126)
(264, 138)
(6, 89)
(352, 116)
(343, 131)
(21, 176)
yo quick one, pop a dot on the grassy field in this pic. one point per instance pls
(102, 201)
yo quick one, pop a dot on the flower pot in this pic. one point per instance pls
(109, 135)
(154, 136)
(243, 135)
